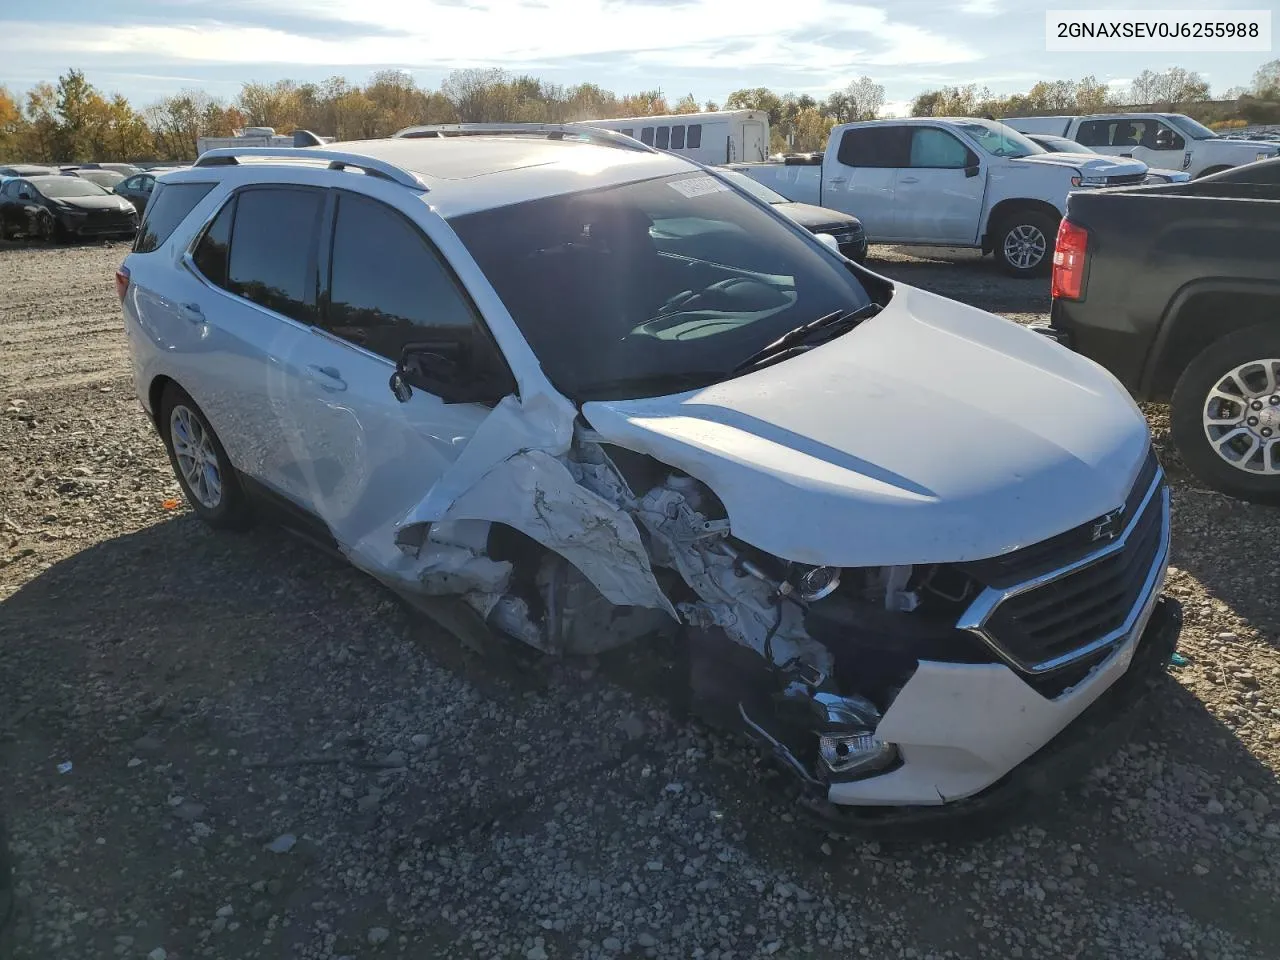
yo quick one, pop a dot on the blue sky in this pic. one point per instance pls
(148, 48)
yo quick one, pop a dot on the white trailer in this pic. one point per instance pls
(724, 136)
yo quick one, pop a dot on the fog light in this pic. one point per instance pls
(818, 583)
(846, 754)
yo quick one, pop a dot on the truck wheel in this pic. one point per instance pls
(1024, 243)
(1225, 415)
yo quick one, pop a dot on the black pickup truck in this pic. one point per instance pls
(1175, 288)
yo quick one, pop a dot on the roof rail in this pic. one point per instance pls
(338, 160)
(552, 131)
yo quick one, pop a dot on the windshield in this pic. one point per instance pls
(654, 287)
(1192, 128)
(999, 140)
(68, 187)
(757, 190)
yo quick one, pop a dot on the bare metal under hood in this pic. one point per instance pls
(933, 433)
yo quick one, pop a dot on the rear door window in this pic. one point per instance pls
(388, 285)
(273, 242)
(210, 254)
(878, 146)
(169, 206)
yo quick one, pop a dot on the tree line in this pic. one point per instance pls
(72, 120)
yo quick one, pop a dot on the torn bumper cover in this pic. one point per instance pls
(1100, 728)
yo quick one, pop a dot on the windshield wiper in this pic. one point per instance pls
(832, 324)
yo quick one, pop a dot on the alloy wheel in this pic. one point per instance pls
(197, 459)
(1242, 417)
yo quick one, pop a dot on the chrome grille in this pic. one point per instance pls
(1078, 609)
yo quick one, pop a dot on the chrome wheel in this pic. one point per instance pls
(1242, 417)
(1025, 246)
(197, 459)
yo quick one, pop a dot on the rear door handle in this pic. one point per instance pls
(191, 312)
(329, 378)
(909, 180)
(836, 179)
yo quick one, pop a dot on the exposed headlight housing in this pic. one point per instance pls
(1088, 181)
(855, 754)
(818, 582)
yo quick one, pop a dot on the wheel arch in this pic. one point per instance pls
(155, 392)
(1200, 313)
(1003, 210)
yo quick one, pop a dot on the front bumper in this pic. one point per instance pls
(1101, 727)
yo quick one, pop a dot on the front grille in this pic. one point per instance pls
(1126, 179)
(1056, 552)
(1056, 617)
(845, 235)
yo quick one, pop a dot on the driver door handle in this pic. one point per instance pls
(909, 180)
(836, 179)
(329, 378)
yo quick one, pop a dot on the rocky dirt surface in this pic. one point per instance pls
(232, 746)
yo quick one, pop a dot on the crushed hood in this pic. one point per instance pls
(1089, 164)
(934, 432)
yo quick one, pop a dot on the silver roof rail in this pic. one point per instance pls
(552, 131)
(338, 160)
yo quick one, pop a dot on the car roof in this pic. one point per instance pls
(465, 174)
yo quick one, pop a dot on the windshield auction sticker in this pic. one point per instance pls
(1158, 31)
(698, 186)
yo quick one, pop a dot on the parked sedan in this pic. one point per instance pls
(846, 229)
(137, 190)
(106, 179)
(1063, 145)
(61, 207)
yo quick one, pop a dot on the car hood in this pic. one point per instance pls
(933, 433)
(1089, 164)
(807, 215)
(1250, 145)
(112, 202)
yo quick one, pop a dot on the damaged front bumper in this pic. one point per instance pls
(875, 806)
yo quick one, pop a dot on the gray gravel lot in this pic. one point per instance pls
(270, 758)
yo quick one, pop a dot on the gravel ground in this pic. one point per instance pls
(266, 756)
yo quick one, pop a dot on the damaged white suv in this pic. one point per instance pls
(595, 392)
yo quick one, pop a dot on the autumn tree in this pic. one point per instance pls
(1266, 81)
(860, 100)
(1169, 87)
(12, 127)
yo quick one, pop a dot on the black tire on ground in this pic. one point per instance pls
(231, 509)
(1187, 410)
(1034, 227)
(47, 229)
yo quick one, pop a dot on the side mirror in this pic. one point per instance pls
(827, 240)
(451, 370)
(971, 171)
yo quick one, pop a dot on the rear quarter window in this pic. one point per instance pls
(169, 206)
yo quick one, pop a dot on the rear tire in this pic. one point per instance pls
(200, 463)
(1023, 243)
(1212, 431)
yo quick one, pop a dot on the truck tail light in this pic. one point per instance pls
(122, 281)
(1069, 260)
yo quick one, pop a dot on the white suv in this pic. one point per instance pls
(593, 390)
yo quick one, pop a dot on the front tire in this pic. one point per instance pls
(1024, 243)
(1225, 415)
(200, 463)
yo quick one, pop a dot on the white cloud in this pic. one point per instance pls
(509, 31)
(981, 8)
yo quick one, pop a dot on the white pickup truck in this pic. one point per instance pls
(961, 182)
(1157, 139)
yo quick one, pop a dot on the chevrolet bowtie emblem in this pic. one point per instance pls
(1109, 526)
